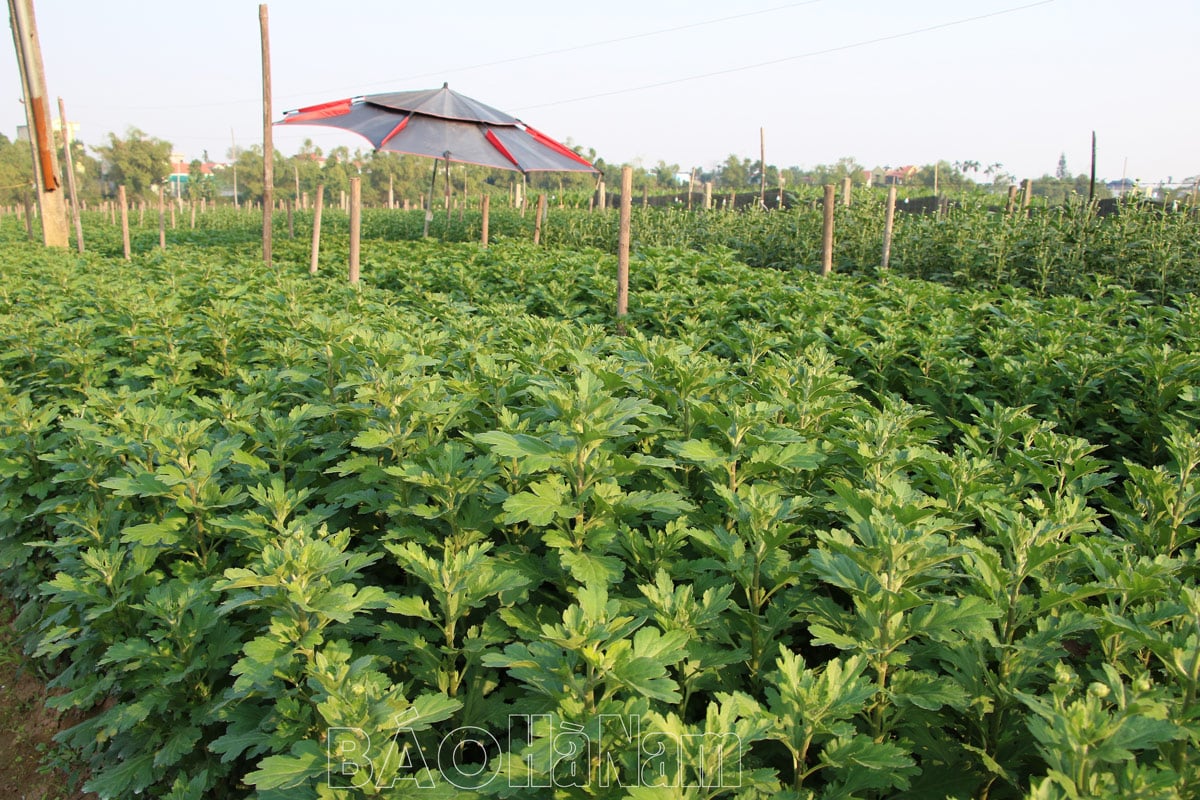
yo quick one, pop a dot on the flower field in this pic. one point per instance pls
(446, 534)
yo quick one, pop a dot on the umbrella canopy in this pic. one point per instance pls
(441, 123)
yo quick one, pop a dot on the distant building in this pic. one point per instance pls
(181, 170)
(1122, 187)
(897, 176)
(56, 125)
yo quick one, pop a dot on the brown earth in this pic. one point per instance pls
(27, 728)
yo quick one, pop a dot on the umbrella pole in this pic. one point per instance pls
(429, 201)
(448, 189)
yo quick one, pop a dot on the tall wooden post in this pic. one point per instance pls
(121, 201)
(268, 206)
(316, 232)
(234, 155)
(355, 226)
(51, 203)
(623, 238)
(827, 234)
(847, 184)
(1012, 201)
(68, 162)
(1092, 183)
(889, 220)
(391, 192)
(1028, 195)
(762, 167)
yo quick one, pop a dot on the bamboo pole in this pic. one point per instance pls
(888, 225)
(316, 230)
(355, 226)
(827, 232)
(121, 201)
(69, 163)
(623, 238)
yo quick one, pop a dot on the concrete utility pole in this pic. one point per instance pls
(51, 203)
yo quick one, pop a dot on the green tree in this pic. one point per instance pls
(734, 173)
(138, 162)
(1061, 172)
(16, 170)
(665, 175)
(200, 186)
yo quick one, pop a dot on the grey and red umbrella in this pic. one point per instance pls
(441, 123)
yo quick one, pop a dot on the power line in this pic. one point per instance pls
(785, 59)
(602, 42)
(496, 63)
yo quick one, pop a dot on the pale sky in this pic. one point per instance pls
(688, 82)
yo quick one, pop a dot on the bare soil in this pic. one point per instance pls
(28, 727)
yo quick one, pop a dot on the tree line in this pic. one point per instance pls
(142, 163)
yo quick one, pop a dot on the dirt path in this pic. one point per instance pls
(27, 728)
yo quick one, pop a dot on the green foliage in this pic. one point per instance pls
(275, 536)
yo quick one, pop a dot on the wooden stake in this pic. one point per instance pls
(355, 226)
(827, 233)
(124, 220)
(846, 187)
(162, 219)
(484, 205)
(889, 220)
(692, 186)
(316, 230)
(707, 196)
(623, 237)
(68, 162)
(1028, 196)
(1012, 201)
(291, 226)
(193, 215)
(391, 192)
(537, 223)
(28, 215)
